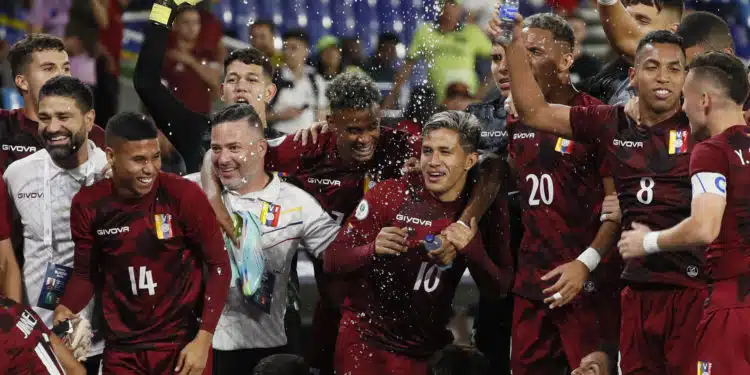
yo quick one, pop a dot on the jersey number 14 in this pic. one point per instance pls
(145, 281)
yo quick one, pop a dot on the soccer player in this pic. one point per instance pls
(29, 347)
(33, 61)
(42, 186)
(143, 237)
(398, 299)
(715, 90)
(11, 285)
(562, 184)
(661, 303)
(289, 219)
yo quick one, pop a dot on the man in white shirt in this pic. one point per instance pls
(42, 187)
(289, 217)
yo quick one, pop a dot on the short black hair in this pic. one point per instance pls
(264, 22)
(455, 360)
(69, 87)
(296, 34)
(388, 37)
(237, 112)
(282, 364)
(705, 29)
(250, 56)
(560, 29)
(183, 10)
(20, 53)
(352, 90)
(129, 126)
(673, 5)
(660, 37)
(724, 70)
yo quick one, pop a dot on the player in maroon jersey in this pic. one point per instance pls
(399, 299)
(561, 185)
(144, 237)
(715, 91)
(28, 347)
(11, 285)
(650, 165)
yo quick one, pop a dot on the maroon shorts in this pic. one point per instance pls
(546, 340)
(659, 330)
(723, 342)
(354, 356)
(145, 362)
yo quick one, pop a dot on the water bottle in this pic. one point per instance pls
(507, 14)
(433, 242)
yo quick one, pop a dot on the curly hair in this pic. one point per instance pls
(352, 90)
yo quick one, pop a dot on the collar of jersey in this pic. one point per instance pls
(96, 161)
(270, 193)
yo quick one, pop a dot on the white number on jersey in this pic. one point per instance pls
(541, 187)
(646, 194)
(428, 277)
(145, 281)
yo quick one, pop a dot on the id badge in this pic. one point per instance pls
(53, 285)
(263, 297)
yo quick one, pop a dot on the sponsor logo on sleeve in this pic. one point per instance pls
(363, 208)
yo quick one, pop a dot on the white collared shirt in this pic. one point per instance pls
(42, 193)
(301, 223)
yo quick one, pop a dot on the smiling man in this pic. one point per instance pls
(398, 298)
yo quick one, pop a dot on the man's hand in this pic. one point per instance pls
(494, 29)
(62, 313)
(446, 253)
(194, 355)
(611, 209)
(391, 241)
(631, 242)
(212, 188)
(572, 275)
(631, 109)
(461, 234)
(411, 166)
(311, 133)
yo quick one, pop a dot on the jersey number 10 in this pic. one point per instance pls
(145, 281)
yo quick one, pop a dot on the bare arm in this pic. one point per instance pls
(63, 354)
(101, 14)
(403, 75)
(701, 228)
(607, 233)
(622, 30)
(11, 273)
(491, 172)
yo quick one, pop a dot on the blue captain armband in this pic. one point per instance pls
(709, 182)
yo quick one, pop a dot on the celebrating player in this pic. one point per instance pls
(715, 91)
(393, 322)
(143, 238)
(650, 169)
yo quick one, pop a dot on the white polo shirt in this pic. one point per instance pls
(301, 222)
(42, 193)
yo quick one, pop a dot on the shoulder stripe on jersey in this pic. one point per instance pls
(278, 229)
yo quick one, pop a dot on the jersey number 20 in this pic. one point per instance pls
(145, 281)
(541, 187)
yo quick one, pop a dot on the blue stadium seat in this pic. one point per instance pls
(224, 11)
(11, 98)
(344, 23)
(271, 10)
(318, 19)
(294, 13)
(368, 27)
(245, 12)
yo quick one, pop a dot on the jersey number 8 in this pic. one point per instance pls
(145, 281)
(646, 194)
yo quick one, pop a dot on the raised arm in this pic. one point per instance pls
(623, 31)
(532, 108)
(492, 171)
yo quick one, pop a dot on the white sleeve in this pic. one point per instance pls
(319, 229)
(276, 142)
(709, 182)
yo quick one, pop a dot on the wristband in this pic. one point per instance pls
(651, 242)
(590, 257)
(160, 14)
(607, 2)
(464, 224)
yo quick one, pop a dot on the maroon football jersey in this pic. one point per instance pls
(150, 252)
(6, 211)
(561, 192)
(650, 167)
(318, 169)
(19, 137)
(404, 302)
(25, 346)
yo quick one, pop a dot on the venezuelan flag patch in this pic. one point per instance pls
(163, 225)
(678, 142)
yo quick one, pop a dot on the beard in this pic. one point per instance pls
(63, 152)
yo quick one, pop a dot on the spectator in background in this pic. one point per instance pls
(212, 31)
(328, 57)
(468, 43)
(107, 92)
(458, 97)
(422, 105)
(190, 69)
(82, 37)
(458, 360)
(49, 16)
(261, 37)
(352, 54)
(300, 99)
(382, 64)
(585, 64)
(282, 364)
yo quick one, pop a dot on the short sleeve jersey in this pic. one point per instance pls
(560, 187)
(650, 167)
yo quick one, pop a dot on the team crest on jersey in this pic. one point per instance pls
(163, 224)
(704, 368)
(564, 146)
(269, 214)
(363, 208)
(678, 142)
